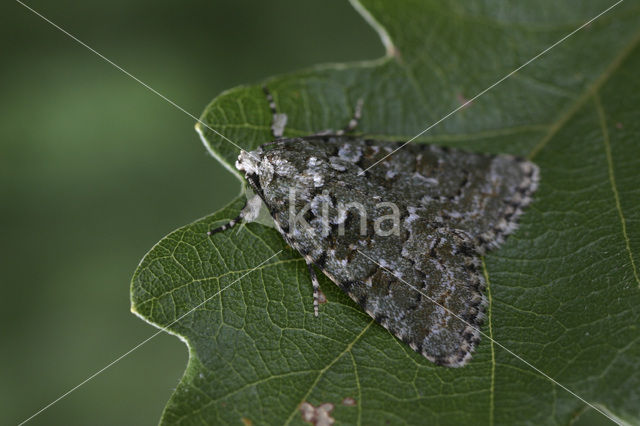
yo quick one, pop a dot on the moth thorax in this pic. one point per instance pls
(249, 162)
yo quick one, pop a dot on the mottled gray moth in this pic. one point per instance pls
(424, 215)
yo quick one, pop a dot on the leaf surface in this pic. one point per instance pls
(564, 290)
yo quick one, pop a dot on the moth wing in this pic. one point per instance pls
(492, 198)
(423, 284)
(483, 194)
(430, 297)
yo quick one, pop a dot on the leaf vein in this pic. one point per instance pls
(589, 91)
(493, 354)
(327, 367)
(614, 188)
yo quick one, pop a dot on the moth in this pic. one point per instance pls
(401, 234)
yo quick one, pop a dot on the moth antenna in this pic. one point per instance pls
(316, 286)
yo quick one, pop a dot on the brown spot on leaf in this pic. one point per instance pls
(246, 421)
(349, 402)
(321, 297)
(619, 125)
(318, 416)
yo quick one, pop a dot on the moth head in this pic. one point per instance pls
(275, 168)
(258, 168)
(249, 162)
(263, 164)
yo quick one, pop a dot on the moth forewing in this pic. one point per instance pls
(419, 278)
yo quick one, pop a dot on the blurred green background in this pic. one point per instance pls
(95, 169)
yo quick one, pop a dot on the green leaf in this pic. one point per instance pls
(564, 290)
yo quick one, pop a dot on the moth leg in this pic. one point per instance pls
(355, 119)
(350, 127)
(248, 213)
(278, 120)
(316, 286)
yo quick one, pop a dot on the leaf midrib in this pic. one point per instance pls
(614, 188)
(589, 91)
